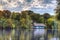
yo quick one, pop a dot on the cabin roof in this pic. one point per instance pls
(39, 24)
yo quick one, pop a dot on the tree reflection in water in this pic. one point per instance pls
(54, 38)
(25, 34)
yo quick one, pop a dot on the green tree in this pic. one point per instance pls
(35, 17)
(5, 22)
(41, 20)
(46, 16)
(15, 16)
(58, 10)
(50, 21)
(25, 20)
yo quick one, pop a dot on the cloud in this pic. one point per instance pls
(54, 1)
(12, 4)
(26, 8)
(9, 4)
(5, 1)
(33, 3)
(42, 4)
(1, 7)
(21, 1)
(27, 4)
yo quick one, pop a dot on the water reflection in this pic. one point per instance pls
(39, 32)
(54, 38)
(26, 34)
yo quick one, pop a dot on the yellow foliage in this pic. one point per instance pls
(50, 20)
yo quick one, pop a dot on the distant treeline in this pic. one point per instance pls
(24, 19)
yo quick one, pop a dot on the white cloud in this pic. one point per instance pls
(21, 1)
(54, 1)
(1, 7)
(26, 6)
(37, 3)
(40, 4)
(5, 1)
(12, 4)
(53, 4)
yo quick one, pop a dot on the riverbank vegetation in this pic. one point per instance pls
(23, 19)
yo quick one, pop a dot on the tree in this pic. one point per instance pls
(25, 20)
(50, 21)
(35, 17)
(41, 20)
(6, 13)
(15, 16)
(5, 22)
(46, 16)
(58, 10)
(1, 14)
(29, 12)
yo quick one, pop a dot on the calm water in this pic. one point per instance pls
(26, 34)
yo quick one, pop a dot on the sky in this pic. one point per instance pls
(38, 6)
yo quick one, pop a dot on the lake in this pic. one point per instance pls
(26, 34)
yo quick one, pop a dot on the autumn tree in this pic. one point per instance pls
(1, 14)
(6, 13)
